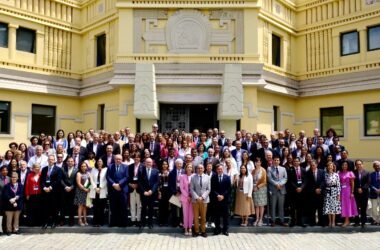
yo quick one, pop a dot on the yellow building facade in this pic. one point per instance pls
(261, 65)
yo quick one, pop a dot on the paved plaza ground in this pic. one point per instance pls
(174, 241)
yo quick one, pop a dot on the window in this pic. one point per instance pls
(373, 37)
(43, 119)
(5, 111)
(26, 39)
(101, 50)
(275, 118)
(349, 43)
(4, 35)
(276, 50)
(372, 119)
(101, 116)
(332, 118)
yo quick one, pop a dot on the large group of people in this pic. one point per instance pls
(196, 180)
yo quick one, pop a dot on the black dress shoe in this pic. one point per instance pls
(8, 234)
(16, 232)
(226, 233)
(195, 234)
(204, 235)
(216, 232)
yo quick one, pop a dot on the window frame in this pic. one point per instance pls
(8, 132)
(280, 48)
(368, 28)
(323, 130)
(34, 42)
(365, 106)
(96, 49)
(7, 35)
(341, 42)
(55, 119)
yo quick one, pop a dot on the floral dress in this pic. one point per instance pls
(331, 204)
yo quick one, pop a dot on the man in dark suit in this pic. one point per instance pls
(344, 157)
(68, 193)
(361, 184)
(51, 176)
(82, 150)
(296, 190)
(237, 153)
(222, 141)
(315, 184)
(117, 179)
(278, 150)
(174, 177)
(154, 148)
(95, 146)
(220, 197)
(109, 157)
(77, 156)
(262, 151)
(250, 146)
(148, 186)
(336, 144)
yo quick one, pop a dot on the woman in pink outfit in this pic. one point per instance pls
(347, 194)
(187, 209)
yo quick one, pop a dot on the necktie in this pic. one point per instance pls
(117, 168)
(298, 173)
(277, 173)
(148, 173)
(200, 181)
(151, 147)
(315, 176)
(70, 171)
(220, 178)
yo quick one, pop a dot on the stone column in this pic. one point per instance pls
(40, 47)
(145, 105)
(230, 107)
(12, 40)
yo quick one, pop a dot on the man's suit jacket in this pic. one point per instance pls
(293, 181)
(68, 181)
(100, 150)
(338, 164)
(212, 160)
(234, 152)
(82, 151)
(273, 180)
(332, 146)
(200, 191)
(374, 184)
(222, 143)
(81, 159)
(145, 184)
(119, 177)
(252, 147)
(220, 188)
(311, 184)
(156, 153)
(277, 152)
(55, 179)
(363, 183)
(172, 182)
(261, 153)
(8, 194)
(104, 159)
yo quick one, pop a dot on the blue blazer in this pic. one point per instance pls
(233, 152)
(173, 181)
(220, 188)
(120, 177)
(145, 184)
(9, 194)
(373, 185)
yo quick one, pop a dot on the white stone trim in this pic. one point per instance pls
(187, 98)
(250, 108)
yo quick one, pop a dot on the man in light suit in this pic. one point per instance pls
(277, 178)
(220, 197)
(148, 181)
(117, 179)
(200, 188)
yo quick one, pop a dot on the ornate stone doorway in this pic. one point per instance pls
(188, 117)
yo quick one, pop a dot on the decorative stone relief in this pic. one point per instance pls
(231, 99)
(145, 95)
(188, 31)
